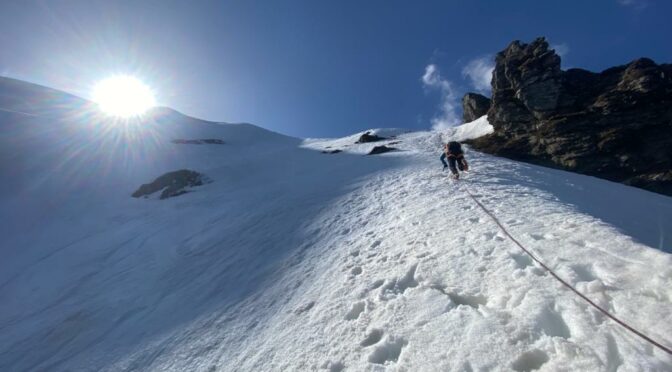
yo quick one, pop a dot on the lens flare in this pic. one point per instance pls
(123, 96)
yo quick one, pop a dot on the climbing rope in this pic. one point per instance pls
(571, 288)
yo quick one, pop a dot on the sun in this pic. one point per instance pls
(123, 96)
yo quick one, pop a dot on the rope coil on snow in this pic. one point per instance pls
(599, 308)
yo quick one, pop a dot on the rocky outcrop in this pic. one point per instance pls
(172, 183)
(616, 124)
(474, 106)
(368, 137)
(381, 149)
(207, 141)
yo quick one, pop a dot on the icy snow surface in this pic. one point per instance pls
(477, 128)
(296, 260)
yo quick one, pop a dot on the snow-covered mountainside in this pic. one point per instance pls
(293, 259)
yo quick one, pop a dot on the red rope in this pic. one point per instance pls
(602, 310)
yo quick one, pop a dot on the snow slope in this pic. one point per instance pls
(477, 128)
(297, 260)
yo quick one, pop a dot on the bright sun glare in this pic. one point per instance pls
(123, 96)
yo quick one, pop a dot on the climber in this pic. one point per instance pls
(453, 151)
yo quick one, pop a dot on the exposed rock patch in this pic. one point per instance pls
(336, 151)
(381, 149)
(616, 124)
(474, 106)
(172, 183)
(368, 137)
(210, 141)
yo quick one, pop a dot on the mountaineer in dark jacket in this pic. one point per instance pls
(453, 151)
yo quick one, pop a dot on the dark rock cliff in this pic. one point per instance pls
(474, 106)
(616, 124)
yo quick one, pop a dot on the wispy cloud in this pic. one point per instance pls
(479, 73)
(447, 116)
(561, 49)
(635, 4)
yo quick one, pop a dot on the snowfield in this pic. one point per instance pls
(294, 260)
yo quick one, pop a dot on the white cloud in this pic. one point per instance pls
(447, 116)
(635, 4)
(561, 49)
(479, 72)
(432, 78)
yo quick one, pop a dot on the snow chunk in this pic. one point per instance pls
(477, 128)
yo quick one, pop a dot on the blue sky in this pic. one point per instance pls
(314, 68)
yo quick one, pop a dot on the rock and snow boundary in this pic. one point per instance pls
(348, 262)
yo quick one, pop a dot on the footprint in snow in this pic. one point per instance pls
(388, 351)
(332, 366)
(552, 323)
(303, 308)
(422, 255)
(355, 310)
(493, 236)
(584, 273)
(377, 284)
(581, 243)
(530, 361)
(400, 285)
(522, 261)
(473, 301)
(372, 338)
